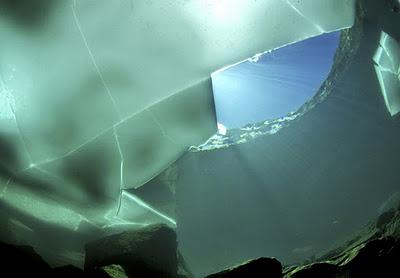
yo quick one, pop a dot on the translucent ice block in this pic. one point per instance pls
(387, 67)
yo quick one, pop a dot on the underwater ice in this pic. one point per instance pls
(100, 97)
(387, 67)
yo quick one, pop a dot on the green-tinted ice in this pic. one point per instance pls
(387, 67)
(101, 96)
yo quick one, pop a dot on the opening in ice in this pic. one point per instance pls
(273, 84)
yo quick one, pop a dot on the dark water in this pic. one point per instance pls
(294, 194)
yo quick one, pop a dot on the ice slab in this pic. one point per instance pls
(387, 67)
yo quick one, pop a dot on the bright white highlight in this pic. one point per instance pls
(146, 206)
(226, 11)
(221, 129)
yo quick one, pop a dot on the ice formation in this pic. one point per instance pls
(387, 67)
(101, 96)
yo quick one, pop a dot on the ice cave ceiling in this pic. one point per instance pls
(99, 97)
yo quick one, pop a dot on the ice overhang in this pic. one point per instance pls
(104, 96)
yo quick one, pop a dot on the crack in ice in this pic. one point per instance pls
(121, 182)
(383, 69)
(392, 63)
(113, 218)
(319, 28)
(44, 162)
(121, 156)
(103, 81)
(163, 132)
(21, 137)
(148, 207)
(382, 43)
(5, 188)
(118, 123)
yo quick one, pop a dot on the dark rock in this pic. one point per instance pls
(148, 252)
(21, 261)
(377, 258)
(262, 267)
(369, 254)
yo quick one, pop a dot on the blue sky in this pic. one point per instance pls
(277, 84)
